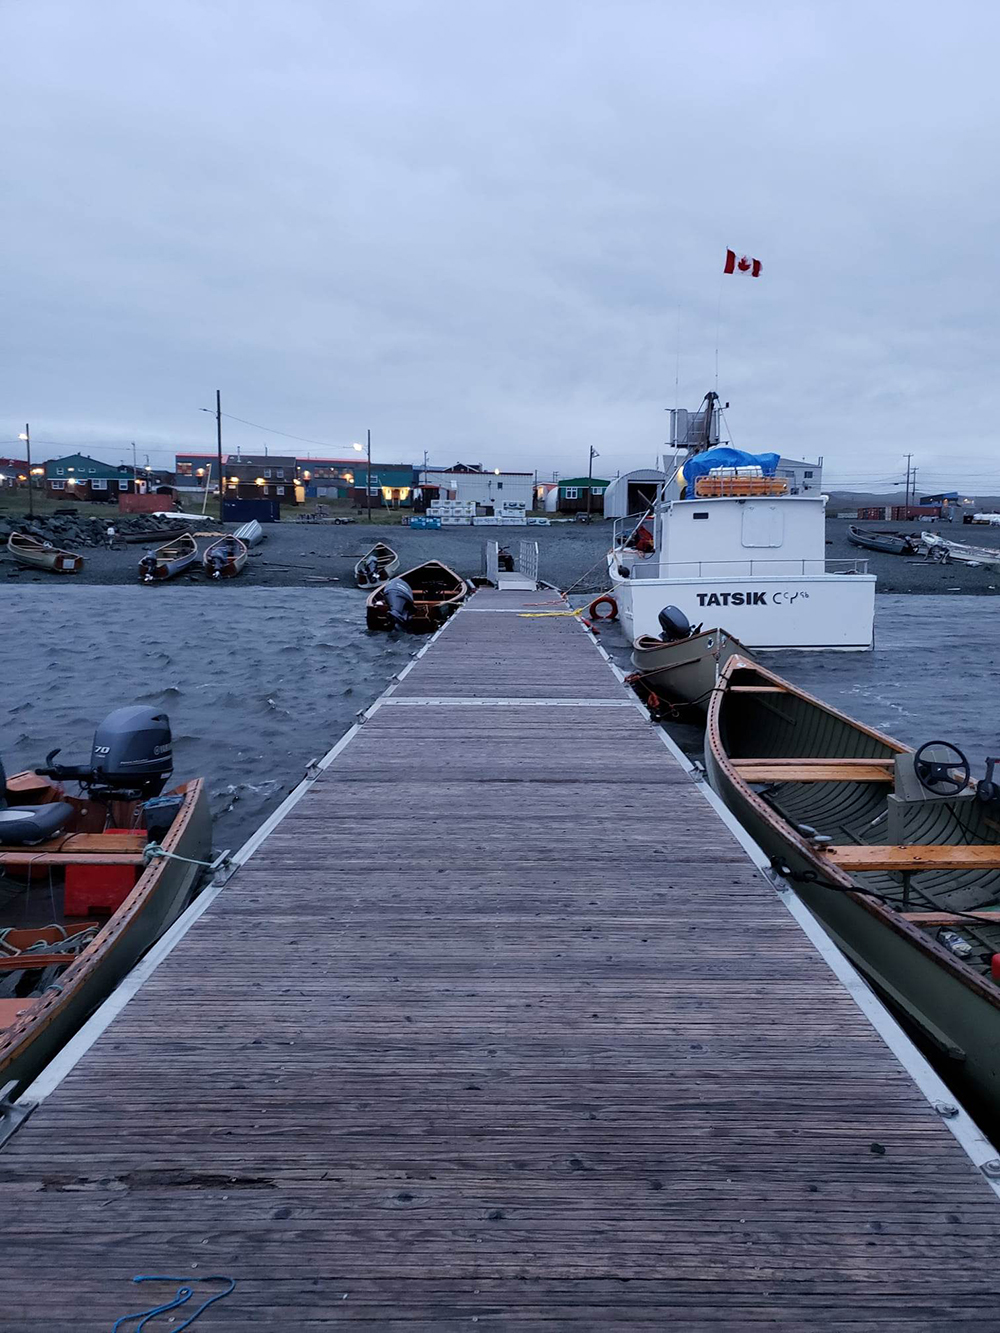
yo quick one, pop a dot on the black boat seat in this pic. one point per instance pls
(23, 825)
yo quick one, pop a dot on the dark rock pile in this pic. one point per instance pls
(77, 528)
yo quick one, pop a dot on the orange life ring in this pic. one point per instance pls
(604, 600)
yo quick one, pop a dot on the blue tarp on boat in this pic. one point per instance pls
(723, 456)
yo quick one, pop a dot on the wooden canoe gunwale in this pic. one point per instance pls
(824, 869)
(40, 1012)
(423, 606)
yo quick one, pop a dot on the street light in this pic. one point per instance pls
(26, 437)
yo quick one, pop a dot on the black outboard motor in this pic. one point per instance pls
(674, 624)
(399, 601)
(131, 758)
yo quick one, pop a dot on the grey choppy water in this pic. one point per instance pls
(256, 683)
(934, 674)
(259, 681)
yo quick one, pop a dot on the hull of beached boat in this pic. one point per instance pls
(225, 559)
(171, 559)
(952, 1007)
(891, 543)
(387, 561)
(250, 533)
(684, 671)
(942, 549)
(162, 891)
(33, 554)
(438, 592)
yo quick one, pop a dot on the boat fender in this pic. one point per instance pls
(593, 610)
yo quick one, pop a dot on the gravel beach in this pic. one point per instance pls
(295, 552)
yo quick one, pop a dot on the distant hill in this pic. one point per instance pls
(859, 499)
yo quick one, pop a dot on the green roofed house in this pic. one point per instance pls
(77, 477)
(573, 495)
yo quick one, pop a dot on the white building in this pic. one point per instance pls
(633, 492)
(495, 490)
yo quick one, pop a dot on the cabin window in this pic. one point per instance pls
(58, 485)
(702, 513)
(59, 471)
(98, 485)
(572, 493)
(597, 490)
(499, 485)
(807, 474)
(763, 525)
(279, 490)
(267, 472)
(279, 471)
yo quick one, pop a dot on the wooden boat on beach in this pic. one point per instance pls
(682, 670)
(82, 898)
(437, 593)
(891, 543)
(168, 560)
(897, 852)
(225, 558)
(35, 554)
(378, 565)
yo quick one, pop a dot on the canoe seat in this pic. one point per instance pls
(52, 860)
(966, 856)
(17, 962)
(814, 770)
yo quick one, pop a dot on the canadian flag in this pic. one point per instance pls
(741, 265)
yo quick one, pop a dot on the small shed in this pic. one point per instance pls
(633, 492)
(573, 495)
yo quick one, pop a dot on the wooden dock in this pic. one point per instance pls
(499, 1027)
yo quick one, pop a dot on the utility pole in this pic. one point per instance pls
(26, 437)
(908, 458)
(218, 445)
(590, 475)
(368, 478)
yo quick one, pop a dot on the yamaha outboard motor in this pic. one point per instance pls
(674, 624)
(399, 601)
(131, 758)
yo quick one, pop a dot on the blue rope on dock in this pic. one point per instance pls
(183, 1295)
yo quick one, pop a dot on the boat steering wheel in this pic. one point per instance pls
(935, 764)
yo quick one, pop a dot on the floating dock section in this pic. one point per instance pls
(501, 1026)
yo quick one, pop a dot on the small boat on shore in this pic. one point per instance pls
(682, 670)
(892, 543)
(225, 558)
(83, 893)
(250, 534)
(944, 550)
(437, 592)
(377, 566)
(168, 560)
(897, 852)
(35, 554)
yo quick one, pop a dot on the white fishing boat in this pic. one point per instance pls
(940, 548)
(732, 544)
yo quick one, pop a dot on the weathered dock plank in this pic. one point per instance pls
(499, 1026)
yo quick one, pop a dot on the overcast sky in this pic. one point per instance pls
(485, 229)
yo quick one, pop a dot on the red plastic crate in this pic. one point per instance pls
(98, 888)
